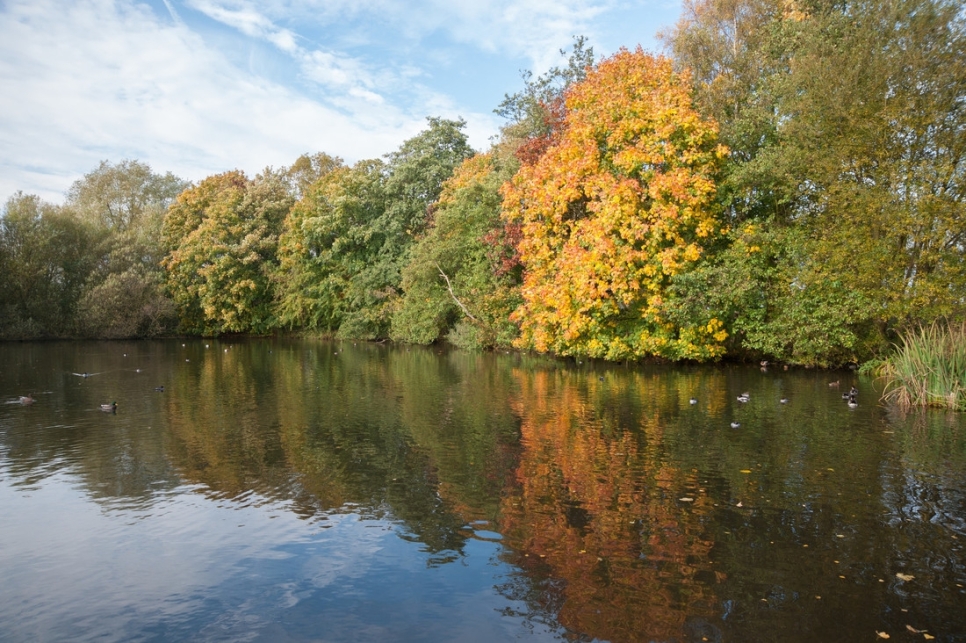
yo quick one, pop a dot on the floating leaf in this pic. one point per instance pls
(746, 471)
(928, 637)
(905, 577)
(882, 635)
(913, 630)
(686, 499)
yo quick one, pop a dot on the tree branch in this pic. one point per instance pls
(449, 287)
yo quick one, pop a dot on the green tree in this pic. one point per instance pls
(453, 283)
(876, 100)
(45, 261)
(327, 241)
(347, 240)
(221, 239)
(846, 121)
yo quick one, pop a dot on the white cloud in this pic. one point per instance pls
(100, 79)
(111, 79)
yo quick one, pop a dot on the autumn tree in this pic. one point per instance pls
(617, 205)
(221, 238)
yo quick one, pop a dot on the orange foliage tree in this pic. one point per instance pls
(619, 203)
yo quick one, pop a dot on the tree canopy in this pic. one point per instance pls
(621, 201)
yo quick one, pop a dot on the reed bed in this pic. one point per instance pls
(928, 369)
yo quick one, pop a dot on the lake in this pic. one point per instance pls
(301, 490)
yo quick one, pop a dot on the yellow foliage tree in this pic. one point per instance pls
(622, 200)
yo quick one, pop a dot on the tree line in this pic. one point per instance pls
(786, 183)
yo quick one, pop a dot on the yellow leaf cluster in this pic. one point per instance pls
(617, 205)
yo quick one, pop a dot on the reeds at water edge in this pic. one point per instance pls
(928, 369)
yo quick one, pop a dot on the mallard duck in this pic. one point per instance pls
(109, 408)
(27, 399)
(834, 384)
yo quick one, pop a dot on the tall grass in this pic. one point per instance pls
(929, 369)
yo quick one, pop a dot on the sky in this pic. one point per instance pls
(199, 87)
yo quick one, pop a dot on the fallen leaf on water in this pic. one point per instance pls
(881, 635)
(928, 637)
(905, 577)
(746, 471)
(686, 499)
(738, 505)
(913, 630)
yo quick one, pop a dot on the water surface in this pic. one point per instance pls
(295, 490)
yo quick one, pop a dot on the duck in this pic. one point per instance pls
(744, 397)
(853, 402)
(854, 392)
(834, 384)
(26, 399)
(735, 425)
(109, 408)
(159, 389)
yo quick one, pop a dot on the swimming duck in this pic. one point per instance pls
(27, 399)
(109, 408)
(834, 384)
(735, 425)
(744, 397)
(853, 402)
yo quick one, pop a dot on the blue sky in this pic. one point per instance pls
(198, 87)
